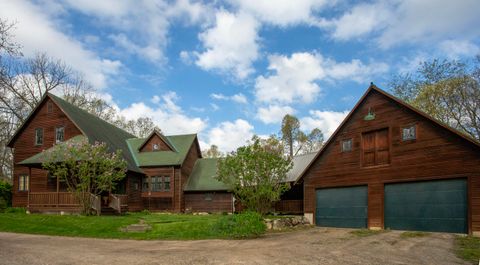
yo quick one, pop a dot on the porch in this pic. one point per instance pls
(68, 202)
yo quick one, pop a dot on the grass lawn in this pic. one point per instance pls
(468, 248)
(164, 226)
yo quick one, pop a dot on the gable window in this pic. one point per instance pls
(376, 148)
(155, 147)
(347, 145)
(39, 136)
(23, 183)
(59, 134)
(49, 107)
(409, 133)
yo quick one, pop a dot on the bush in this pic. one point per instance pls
(240, 226)
(5, 195)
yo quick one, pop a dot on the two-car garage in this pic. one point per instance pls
(439, 205)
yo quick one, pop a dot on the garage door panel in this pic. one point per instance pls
(439, 205)
(342, 207)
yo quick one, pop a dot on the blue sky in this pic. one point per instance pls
(231, 69)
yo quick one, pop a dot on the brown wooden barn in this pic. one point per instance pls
(391, 166)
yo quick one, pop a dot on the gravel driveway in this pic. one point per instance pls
(312, 246)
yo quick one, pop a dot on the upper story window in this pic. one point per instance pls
(347, 145)
(157, 183)
(39, 136)
(59, 134)
(23, 183)
(155, 147)
(376, 148)
(49, 107)
(409, 133)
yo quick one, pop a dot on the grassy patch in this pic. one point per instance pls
(468, 248)
(366, 232)
(164, 226)
(411, 234)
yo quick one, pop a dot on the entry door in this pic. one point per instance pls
(439, 206)
(342, 207)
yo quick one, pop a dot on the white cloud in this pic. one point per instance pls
(229, 135)
(458, 48)
(166, 114)
(230, 45)
(327, 121)
(37, 32)
(281, 12)
(273, 113)
(295, 78)
(238, 98)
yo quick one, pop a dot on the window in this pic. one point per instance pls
(409, 133)
(135, 185)
(23, 183)
(347, 145)
(155, 147)
(145, 185)
(208, 196)
(166, 183)
(59, 134)
(156, 183)
(49, 107)
(376, 148)
(39, 136)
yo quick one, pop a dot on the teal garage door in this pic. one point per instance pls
(437, 206)
(342, 207)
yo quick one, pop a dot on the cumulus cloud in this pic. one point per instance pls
(228, 135)
(327, 121)
(230, 45)
(458, 48)
(166, 114)
(238, 98)
(37, 32)
(273, 113)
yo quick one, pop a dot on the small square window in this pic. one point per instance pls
(135, 186)
(59, 134)
(208, 196)
(347, 145)
(155, 147)
(38, 136)
(409, 133)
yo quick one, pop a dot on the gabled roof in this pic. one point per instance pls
(203, 175)
(94, 128)
(371, 88)
(182, 145)
(161, 136)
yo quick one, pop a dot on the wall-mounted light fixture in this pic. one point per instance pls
(370, 116)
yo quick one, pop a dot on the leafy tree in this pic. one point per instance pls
(447, 90)
(256, 173)
(295, 140)
(86, 168)
(212, 152)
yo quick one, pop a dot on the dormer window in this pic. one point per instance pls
(155, 147)
(409, 133)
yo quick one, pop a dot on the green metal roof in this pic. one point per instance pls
(182, 144)
(203, 175)
(98, 130)
(39, 158)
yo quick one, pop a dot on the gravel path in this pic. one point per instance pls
(312, 246)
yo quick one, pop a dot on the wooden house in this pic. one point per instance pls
(390, 166)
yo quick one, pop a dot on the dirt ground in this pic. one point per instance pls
(312, 246)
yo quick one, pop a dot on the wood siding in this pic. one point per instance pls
(436, 154)
(214, 202)
(148, 146)
(154, 202)
(185, 171)
(24, 147)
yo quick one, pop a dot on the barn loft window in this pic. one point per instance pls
(59, 134)
(376, 148)
(409, 133)
(347, 145)
(39, 136)
(23, 183)
(155, 147)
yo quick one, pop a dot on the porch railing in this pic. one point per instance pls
(53, 199)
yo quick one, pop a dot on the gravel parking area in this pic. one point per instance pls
(312, 246)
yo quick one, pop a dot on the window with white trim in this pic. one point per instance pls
(23, 182)
(59, 134)
(409, 133)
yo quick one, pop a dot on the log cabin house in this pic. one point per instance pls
(165, 173)
(390, 166)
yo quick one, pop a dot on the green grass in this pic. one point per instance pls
(411, 234)
(164, 226)
(468, 248)
(366, 232)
